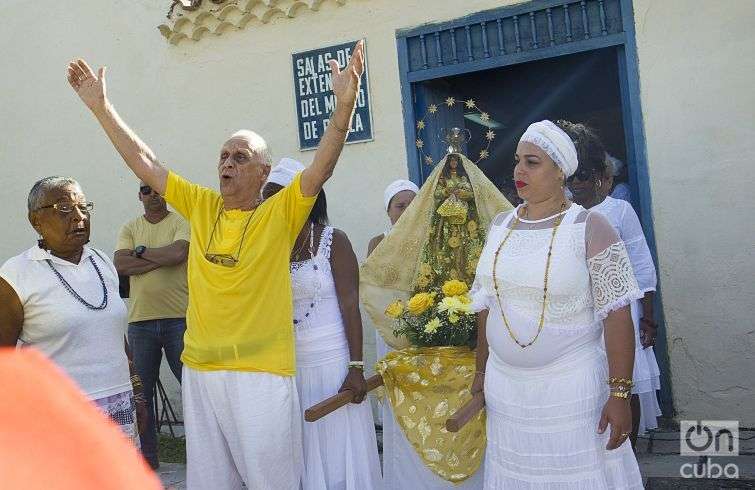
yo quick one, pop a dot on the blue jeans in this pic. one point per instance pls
(147, 340)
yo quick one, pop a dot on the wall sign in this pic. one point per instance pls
(315, 100)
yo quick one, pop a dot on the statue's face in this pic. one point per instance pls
(453, 162)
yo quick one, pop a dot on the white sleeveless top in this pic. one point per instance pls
(590, 275)
(320, 334)
(87, 344)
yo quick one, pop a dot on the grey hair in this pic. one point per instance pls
(40, 189)
(614, 164)
(257, 144)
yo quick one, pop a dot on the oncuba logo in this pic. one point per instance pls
(709, 438)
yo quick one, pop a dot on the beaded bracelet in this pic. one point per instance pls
(356, 364)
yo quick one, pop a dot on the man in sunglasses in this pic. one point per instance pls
(152, 251)
(240, 404)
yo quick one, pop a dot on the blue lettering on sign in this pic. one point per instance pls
(315, 101)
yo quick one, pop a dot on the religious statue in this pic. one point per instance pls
(415, 288)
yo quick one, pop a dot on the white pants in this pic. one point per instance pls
(241, 427)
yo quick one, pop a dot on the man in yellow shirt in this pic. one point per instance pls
(152, 251)
(241, 409)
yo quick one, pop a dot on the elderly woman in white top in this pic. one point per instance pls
(61, 297)
(551, 278)
(396, 199)
(340, 450)
(590, 188)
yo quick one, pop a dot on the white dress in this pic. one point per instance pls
(340, 450)
(544, 402)
(646, 374)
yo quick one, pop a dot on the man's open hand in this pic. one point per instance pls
(91, 88)
(346, 82)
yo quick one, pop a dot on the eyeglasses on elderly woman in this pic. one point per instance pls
(67, 207)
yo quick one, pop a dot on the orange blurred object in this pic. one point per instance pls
(51, 436)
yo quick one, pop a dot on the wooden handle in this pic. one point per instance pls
(466, 413)
(337, 401)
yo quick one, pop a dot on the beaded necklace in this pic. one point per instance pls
(76, 295)
(315, 297)
(545, 281)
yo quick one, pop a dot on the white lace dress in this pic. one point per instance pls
(544, 402)
(646, 373)
(340, 450)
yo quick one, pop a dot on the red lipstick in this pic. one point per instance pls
(519, 184)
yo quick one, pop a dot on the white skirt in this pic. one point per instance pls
(646, 376)
(542, 427)
(340, 449)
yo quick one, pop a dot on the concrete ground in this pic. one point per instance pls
(657, 454)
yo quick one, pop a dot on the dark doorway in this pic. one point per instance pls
(582, 87)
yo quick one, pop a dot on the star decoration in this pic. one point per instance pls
(485, 116)
(432, 109)
(490, 135)
(429, 160)
(420, 124)
(420, 143)
(450, 101)
(470, 103)
(484, 154)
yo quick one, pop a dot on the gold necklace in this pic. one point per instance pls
(545, 281)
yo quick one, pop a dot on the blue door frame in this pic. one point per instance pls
(533, 31)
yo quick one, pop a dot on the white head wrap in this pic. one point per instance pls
(283, 173)
(614, 164)
(555, 143)
(397, 186)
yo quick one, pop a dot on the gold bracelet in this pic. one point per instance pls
(332, 123)
(620, 394)
(620, 381)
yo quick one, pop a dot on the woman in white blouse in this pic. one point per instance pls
(590, 187)
(61, 297)
(551, 279)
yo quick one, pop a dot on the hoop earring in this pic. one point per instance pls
(599, 183)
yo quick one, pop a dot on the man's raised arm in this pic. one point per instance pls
(346, 89)
(92, 90)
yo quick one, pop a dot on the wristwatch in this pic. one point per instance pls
(138, 251)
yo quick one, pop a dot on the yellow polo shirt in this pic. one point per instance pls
(240, 318)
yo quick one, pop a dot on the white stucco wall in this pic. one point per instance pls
(696, 75)
(185, 99)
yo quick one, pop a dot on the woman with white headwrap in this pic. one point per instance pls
(340, 450)
(551, 278)
(397, 197)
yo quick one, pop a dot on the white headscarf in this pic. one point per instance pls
(283, 173)
(555, 143)
(397, 186)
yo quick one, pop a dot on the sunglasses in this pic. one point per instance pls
(226, 260)
(582, 174)
(145, 190)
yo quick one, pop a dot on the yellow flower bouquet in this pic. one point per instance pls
(436, 317)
